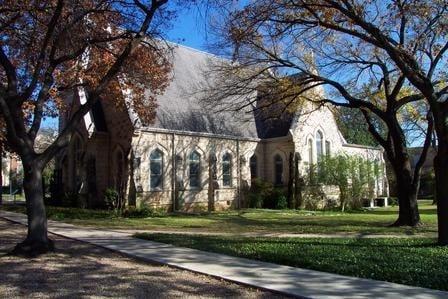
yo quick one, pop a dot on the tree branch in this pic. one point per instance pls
(426, 144)
(42, 54)
(10, 72)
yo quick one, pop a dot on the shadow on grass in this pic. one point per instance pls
(408, 261)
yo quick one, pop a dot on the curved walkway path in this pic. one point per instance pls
(283, 279)
(341, 235)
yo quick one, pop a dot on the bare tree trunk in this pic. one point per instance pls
(440, 113)
(297, 184)
(1, 175)
(441, 173)
(37, 241)
(290, 195)
(408, 214)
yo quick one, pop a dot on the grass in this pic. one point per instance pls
(17, 197)
(416, 262)
(258, 221)
(413, 261)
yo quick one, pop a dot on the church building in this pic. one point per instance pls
(192, 159)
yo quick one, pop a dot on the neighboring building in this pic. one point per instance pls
(191, 158)
(11, 173)
(12, 169)
(427, 181)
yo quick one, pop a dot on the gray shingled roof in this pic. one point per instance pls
(179, 108)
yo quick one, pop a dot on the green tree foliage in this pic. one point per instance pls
(354, 176)
(353, 126)
(263, 194)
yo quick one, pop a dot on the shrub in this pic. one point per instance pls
(276, 199)
(111, 198)
(262, 194)
(354, 176)
(258, 193)
(70, 199)
(282, 203)
(312, 196)
(144, 211)
(114, 200)
(255, 200)
(393, 201)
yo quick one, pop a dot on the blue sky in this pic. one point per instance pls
(189, 29)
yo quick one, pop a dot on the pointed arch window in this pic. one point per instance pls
(327, 148)
(156, 169)
(319, 145)
(278, 170)
(253, 167)
(194, 161)
(227, 170)
(310, 151)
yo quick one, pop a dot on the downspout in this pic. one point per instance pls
(173, 173)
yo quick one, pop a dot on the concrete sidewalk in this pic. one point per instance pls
(336, 235)
(287, 280)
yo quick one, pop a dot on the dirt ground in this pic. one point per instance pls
(78, 270)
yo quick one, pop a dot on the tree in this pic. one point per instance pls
(56, 49)
(298, 47)
(353, 175)
(353, 126)
(413, 35)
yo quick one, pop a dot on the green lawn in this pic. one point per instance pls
(262, 221)
(415, 262)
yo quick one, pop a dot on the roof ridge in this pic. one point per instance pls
(197, 50)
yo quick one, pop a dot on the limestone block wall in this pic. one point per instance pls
(305, 129)
(320, 197)
(104, 151)
(99, 154)
(176, 192)
(374, 155)
(281, 146)
(311, 123)
(11, 169)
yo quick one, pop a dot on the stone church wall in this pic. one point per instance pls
(176, 147)
(121, 158)
(281, 146)
(312, 122)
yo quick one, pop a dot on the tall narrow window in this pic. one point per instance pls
(310, 151)
(319, 145)
(194, 161)
(156, 168)
(227, 170)
(327, 148)
(278, 170)
(253, 167)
